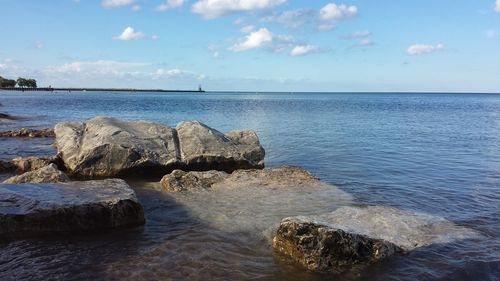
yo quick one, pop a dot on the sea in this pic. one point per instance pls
(431, 153)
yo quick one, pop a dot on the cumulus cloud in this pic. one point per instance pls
(334, 12)
(175, 73)
(136, 8)
(253, 40)
(302, 50)
(130, 34)
(357, 34)
(170, 4)
(98, 65)
(293, 18)
(210, 9)
(116, 3)
(497, 6)
(420, 49)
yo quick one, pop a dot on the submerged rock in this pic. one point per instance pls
(182, 181)
(47, 174)
(40, 209)
(203, 148)
(29, 133)
(354, 236)
(106, 147)
(280, 177)
(6, 116)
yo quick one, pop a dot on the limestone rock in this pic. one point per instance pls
(280, 177)
(204, 148)
(357, 236)
(43, 209)
(107, 147)
(182, 181)
(29, 133)
(46, 174)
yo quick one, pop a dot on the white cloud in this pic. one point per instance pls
(253, 40)
(366, 43)
(170, 4)
(357, 34)
(130, 34)
(155, 37)
(38, 45)
(210, 9)
(497, 6)
(247, 29)
(136, 8)
(164, 73)
(302, 50)
(98, 65)
(334, 12)
(116, 3)
(293, 18)
(420, 49)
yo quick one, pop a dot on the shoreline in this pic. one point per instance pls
(50, 89)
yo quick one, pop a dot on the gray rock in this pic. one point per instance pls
(42, 209)
(204, 148)
(5, 116)
(28, 164)
(28, 133)
(107, 147)
(355, 236)
(182, 181)
(280, 177)
(45, 174)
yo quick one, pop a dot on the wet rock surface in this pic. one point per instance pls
(357, 236)
(41, 209)
(107, 147)
(47, 174)
(6, 167)
(27, 164)
(280, 177)
(28, 133)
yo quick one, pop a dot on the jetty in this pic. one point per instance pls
(50, 89)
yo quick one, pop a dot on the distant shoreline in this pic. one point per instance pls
(50, 89)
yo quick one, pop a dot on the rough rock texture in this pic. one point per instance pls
(46, 174)
(203, 148)
(28, 164)
(40, 209)
(281, 177)
(28, 133)
(181, 181)
(107, 147)
(353, 236)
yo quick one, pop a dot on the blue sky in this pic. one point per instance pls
(255, 45)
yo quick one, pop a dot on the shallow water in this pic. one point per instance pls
(432, 153)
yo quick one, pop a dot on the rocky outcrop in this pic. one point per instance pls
(47, 174)
(356, 236)
(28, 133)
(42, 209)
(280, 177)
(5, 116)
(107, 147)
(6, 167)
(182, 181)
(27, 164)
(203, 148)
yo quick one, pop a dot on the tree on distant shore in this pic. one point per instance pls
(7, 83)
(28, 83)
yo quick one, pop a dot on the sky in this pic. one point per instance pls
(255, 45)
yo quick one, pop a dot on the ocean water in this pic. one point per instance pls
(437, 154)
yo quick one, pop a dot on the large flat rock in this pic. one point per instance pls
(47, 174)
(107, 147)
(41, 209)
(357, 236)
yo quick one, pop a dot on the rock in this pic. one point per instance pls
(46, 174)
(28, 133)
(203, 148)
(28, 164)
(6, 116)
(6, 167)
(355, 236)
(281, 177)
(44, 209)
(181, 181)
(107, 147)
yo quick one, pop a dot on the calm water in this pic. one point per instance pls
(432, 153)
